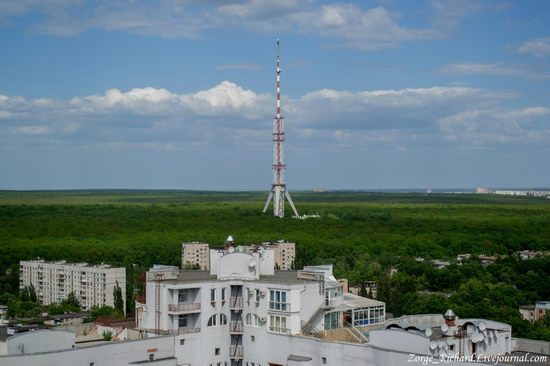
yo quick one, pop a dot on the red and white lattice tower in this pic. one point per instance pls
(278, 189)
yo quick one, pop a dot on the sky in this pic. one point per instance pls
(180, 94)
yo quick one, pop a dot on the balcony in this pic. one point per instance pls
(187, 307)
(279, 330)
(235, 303)
(236, 352)
(186, 331)
(235, 327)
(279, 306)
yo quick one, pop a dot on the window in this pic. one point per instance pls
(223, 319)
(182, 342)
(252, 320)
(151, 356)
(257, 296)
(224, 290)
(182, 296)
(249, 295)
(182, 320)
(277, 324)
(256, 320)
(277, 300)
(217, 351)
(252, 338)
(213, 297)
(213, 321)
(324, 360)
(332, 320)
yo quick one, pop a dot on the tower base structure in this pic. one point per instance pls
(277, 194)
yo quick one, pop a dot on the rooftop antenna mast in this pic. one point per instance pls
(278, 188)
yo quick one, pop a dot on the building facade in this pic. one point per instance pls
(535, 312)
(197, 255)
(53, 281)
(243, 312)
(229, 314)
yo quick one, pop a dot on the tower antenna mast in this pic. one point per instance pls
(278, 188)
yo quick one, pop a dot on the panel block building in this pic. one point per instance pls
(198, 255)
(53, 281)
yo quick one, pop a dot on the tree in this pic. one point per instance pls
(72, 300)
(118, 300)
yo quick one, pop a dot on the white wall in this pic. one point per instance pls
(114, 353)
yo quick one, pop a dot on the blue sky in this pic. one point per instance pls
(180, 93)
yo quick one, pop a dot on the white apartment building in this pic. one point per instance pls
(53, 281)
(243, 312)
(198, 254)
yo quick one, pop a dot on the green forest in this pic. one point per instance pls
(364, 235)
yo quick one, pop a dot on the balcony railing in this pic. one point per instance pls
(235, 327)
(279, 306)
(236, 352)
(279, 330)
(183, 307)
(235, 302)
(187, 330)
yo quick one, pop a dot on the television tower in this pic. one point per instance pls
(278, 188)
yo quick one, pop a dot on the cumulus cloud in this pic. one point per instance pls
(501, 125)
(152, 118)
(387, 109)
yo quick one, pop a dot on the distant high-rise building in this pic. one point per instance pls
(197, 255)
(54, 281)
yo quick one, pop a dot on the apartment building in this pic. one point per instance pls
(197, 255)
(53, 281)
(243, 312)
(535, 311)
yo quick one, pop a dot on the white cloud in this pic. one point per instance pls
(537, 46)
(228, 114)
(369, 29)
(494, 69)
(33, 130)
(501, 125)
(347, 24)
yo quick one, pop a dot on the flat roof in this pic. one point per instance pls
(287, 277)
(352, 301)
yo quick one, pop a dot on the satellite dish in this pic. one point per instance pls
(260, 250)
(239, 249)
(450, 341)
(444, 328)
(482, 326)
(230, 249)
(433, 345)
(441, 344)
(252, 262)
(428, 332)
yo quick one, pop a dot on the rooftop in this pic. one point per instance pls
(352, 301)
(288, 277)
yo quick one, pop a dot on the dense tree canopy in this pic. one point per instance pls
(363, 235)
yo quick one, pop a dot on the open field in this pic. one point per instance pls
(362, 234)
